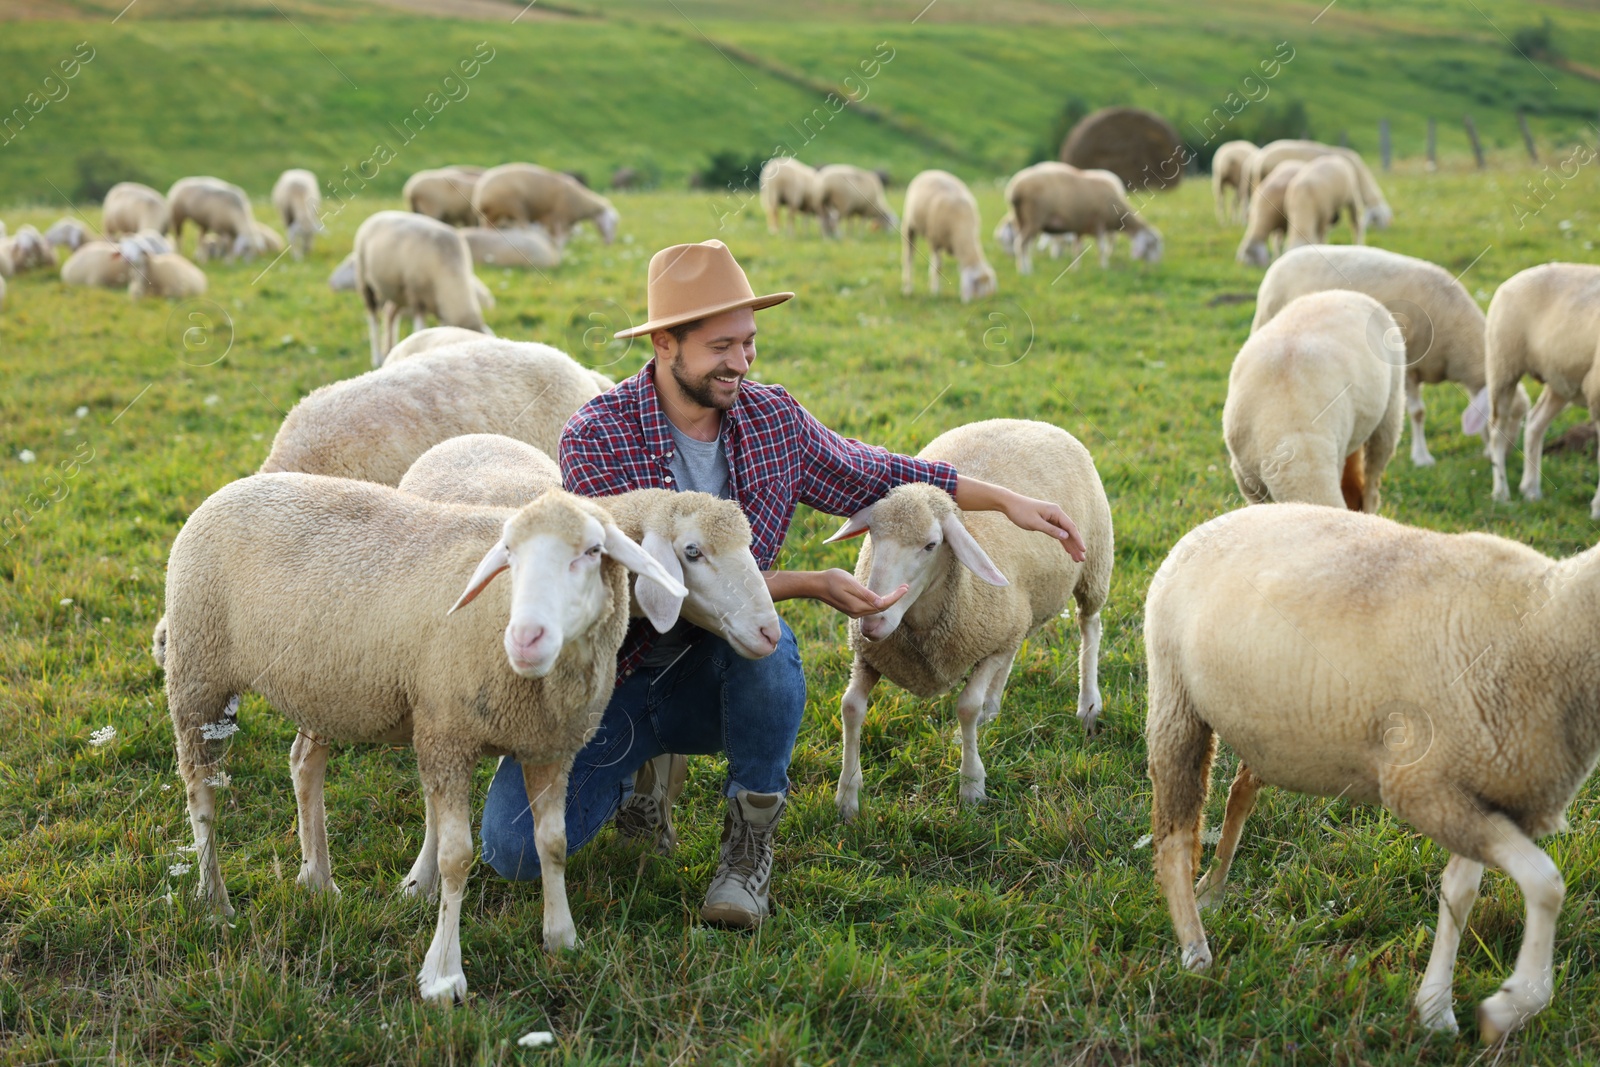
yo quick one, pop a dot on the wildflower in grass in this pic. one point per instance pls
(219, 731)
(26, 455)
(81, 412)
(537, 1039)
(103, 736)
(220, 780)
(66, 602)
(178, 870)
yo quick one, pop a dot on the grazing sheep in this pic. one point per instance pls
(846, 192)
(1268, 216)
(130, 207)
(940, 208)
(1449, 678)
(979, 586)
(524, 247)
(98, 263)
(25, 250)
(1057, 198)
(788, 183)
(67, 233)
(388, 659)
(1324, 188)
(218, 207)
(343, 278)
(517, 194)
(700, 540)
(299, 204)
(1442, 325)
(1316, 401)
(411, 263)
(1544, 322)
(374, 426)
(1275, 154)
(164, 274)
(444, 194)
(1227, 173)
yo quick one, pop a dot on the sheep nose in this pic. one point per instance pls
(525, 638)
(770, 634)
(872, 626)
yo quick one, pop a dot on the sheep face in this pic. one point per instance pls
(1146, 245)
(977, 282)
(553, 549)
(708, 549)
(1379, 216)
(917, 533)
(343, 278)
(606, 222)
(1254, 254)
(1006, 235)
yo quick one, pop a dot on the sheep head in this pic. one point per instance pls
(916, 532)
(1146, 245)
(977, 281)
(553, 548)
(606, 222)
(1006, 235)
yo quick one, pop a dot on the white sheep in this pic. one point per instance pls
(1542, 322)
(1057, 198)
(444, 194)
(788, 183)
(299, 203)
(343, 278)
(375, 425)
(429, 340)
(332, 599)
(517, 194)
(1449, 678)
(1227, 173)
(1441, 323)
(522, 247)
(1276, 153)
(979, 586)
(67, 233)
(1325, 188)
(1316, 402)
(164, 274)
(1267, 217)
(130, 207)
(845, 192)
(702, 541)
(941, 209)
(218, 207)
(25, 250)
(411, 263)
(97, 263)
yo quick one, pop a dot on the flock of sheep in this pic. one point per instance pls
(370, 540)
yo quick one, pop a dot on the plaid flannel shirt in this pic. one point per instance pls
(778, 455)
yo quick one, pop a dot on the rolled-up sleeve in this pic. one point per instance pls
(841, 475)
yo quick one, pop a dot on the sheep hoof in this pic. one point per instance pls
(1422, 460)
(1497, 1017)
(1090, 717)
(417, 889)
(848, 809)
(1442, 1021)
(317, 882)
(1196, 957)
(1501, 496)
(445, 990)
(1531, 492)
(973, 794)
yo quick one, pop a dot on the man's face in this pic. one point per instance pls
(711, 362)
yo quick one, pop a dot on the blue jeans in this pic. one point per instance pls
(708, 700)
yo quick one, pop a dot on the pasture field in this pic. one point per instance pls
(1025, 930)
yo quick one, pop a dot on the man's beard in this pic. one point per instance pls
(703, 391)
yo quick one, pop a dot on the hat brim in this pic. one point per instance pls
(756, 303)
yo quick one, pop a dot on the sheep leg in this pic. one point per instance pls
(419, 322)
(908, 253)
(441, 979)
(1105, 241)
(1241, 802)
(391, 327)
(853, 711)
(423, 878)
(1539, 419)
(970, 707)
(1089, 702)
(933, 271)
(1379, 448)
(547, 797)
(1458, 891)
(1181, 747)
(1528, 990)
(1025, 241)
(374, 332)
(308, 766)
(1415, 410)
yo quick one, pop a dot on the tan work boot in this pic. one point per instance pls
(738, 893)
(646, 817)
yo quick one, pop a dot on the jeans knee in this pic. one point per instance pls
(510, 853)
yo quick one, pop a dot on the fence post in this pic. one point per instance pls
(1433, 144)
(1383, 141)
(1527, 136)
(1472, 134)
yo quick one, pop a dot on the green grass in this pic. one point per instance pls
(974, 88)
(1028, 930)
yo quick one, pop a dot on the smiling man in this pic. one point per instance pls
(689, 420)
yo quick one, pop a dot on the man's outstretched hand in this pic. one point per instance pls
(836, 588)
(1041, 515)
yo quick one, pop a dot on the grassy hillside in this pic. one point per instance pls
(972, 88)
(1027, 931)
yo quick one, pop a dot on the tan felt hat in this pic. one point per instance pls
(689, 282)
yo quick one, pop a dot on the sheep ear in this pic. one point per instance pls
(854, 526)
(497, 560)
(660, 605)
(626, 552)
(1476, 418)
(969, 552)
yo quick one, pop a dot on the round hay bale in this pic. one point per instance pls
(1138, 146)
